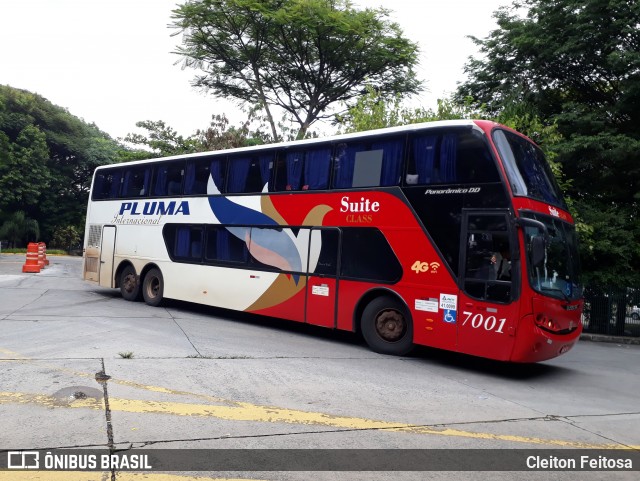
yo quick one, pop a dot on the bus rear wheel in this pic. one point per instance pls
(129, 286)
(153, 287)
(386, 326)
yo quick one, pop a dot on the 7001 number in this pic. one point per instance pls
(490, 323)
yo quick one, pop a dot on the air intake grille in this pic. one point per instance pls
(95, 236)
(91, 264)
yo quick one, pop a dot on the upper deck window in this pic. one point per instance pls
(304, 169)
(368, 164)
(167, 179)
(199, 171)
(450, 157)
(106, 184)
(528, 171)
(249, 173)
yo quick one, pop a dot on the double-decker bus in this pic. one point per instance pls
(448, 234)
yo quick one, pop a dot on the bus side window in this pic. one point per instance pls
(343, 164)
(433, 159)
(280, 183)
(454, 157)
(316, 169)
(136, 182)
(223, 245)
(107, 184)
(272, 248)
(196, 177)
(368, 165)
(475, 164)
(184, 242)
(366, 255)
(238, 173)
(327, 242)
(249, 174)
(292, 171)
(267, 171)
(393, 155)
(303, 169)
(422, 169)
(168, 179)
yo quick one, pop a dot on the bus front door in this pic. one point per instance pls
(487, 309)
(322, 283)
(106, 255)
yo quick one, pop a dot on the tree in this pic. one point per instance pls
(24, 174)
(219, 135)
(299, 55)
(19, 229)
(47, 159)
(65, 237)
(576, 63)
(163, 140)
(374, 110)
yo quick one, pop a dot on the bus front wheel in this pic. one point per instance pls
(153, 287)
(129, 286)
(386, 326)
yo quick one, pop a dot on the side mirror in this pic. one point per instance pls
(538, 244)
(537, 250)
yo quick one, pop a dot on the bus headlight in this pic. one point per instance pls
(547, 323)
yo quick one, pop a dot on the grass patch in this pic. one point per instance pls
(22, 250)
(126, 355)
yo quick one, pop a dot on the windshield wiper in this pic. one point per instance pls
(555, 289)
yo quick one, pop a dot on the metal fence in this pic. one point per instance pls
(612, 311)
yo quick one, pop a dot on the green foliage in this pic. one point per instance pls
(47, 159)
(161, 139)
(19, 229)
(298, 55)
(24, 175)
(575, 63)
(219, 135)
(65, 237)
(374, 110)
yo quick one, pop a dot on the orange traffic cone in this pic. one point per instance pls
(32, 263)
(41, 255)
(44, 252)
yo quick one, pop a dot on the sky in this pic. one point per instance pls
(111, 62)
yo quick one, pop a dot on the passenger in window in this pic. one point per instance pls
(501, 262)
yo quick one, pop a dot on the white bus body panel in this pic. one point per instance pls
(139, 240)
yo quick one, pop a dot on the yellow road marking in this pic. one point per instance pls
(267, 414)
(159, 389)
(13, 354)
(243, 411)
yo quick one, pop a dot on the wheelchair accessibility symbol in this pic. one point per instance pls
(450, 316)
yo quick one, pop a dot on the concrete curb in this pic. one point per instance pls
(613, 339)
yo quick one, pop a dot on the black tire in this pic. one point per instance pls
(387, 327)
(129, 284)
(635, 316)
(153, 287)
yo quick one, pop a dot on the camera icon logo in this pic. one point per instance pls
(23, 460)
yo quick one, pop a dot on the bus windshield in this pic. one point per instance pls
(558, 275)
(528, 171)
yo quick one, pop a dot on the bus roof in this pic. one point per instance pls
(300, 143)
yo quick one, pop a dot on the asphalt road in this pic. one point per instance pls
(186, 376)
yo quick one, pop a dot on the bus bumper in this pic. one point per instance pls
(539, 345)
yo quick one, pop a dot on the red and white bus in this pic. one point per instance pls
(447, 234)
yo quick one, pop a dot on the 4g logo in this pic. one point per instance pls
(431, 267)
